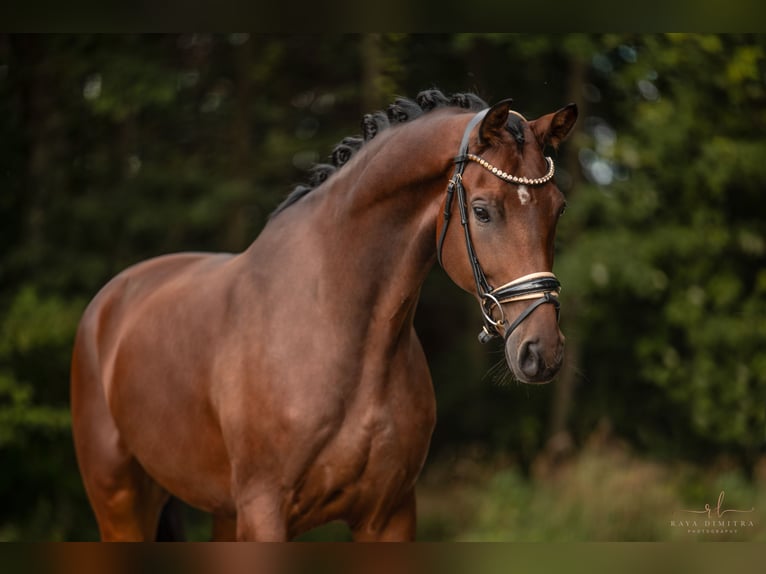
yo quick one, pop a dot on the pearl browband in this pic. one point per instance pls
(512, 178)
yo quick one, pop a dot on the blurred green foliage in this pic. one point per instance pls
(668, 262)
(605, 494)
(117, 148)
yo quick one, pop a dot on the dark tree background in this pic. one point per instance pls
(117, 148)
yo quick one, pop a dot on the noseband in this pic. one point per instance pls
(541, 288)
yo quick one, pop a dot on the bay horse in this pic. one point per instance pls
(284, 387)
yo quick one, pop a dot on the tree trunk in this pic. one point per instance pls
(372, 70)
(564, 389)
(44, 141)
(238, 226)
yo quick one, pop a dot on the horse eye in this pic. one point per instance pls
(481, 214)
(563, 210)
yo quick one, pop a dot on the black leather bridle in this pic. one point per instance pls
(541, 288)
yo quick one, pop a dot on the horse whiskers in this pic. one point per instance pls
(500, 374)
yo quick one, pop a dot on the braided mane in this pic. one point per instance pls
(400, 111)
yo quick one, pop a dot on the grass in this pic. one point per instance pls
(603, 493)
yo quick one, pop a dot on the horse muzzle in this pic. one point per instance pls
(536, 359)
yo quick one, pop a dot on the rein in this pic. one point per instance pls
(542, 287)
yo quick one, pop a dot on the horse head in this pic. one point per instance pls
(509, 206)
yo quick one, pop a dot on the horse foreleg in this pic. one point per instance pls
(398, 527)
(261, 519)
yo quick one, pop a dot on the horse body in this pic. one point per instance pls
(285, 386)
(334, 375)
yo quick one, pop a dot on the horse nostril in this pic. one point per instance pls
(530, 360)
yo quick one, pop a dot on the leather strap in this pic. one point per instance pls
(520, 291)
(546, 298)
(456, 178)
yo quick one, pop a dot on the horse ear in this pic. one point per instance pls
(494, 122)
(552, 129)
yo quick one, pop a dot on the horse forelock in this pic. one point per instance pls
(402, 110)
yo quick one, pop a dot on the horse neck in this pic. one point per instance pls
(375, 223)
(393, 197)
